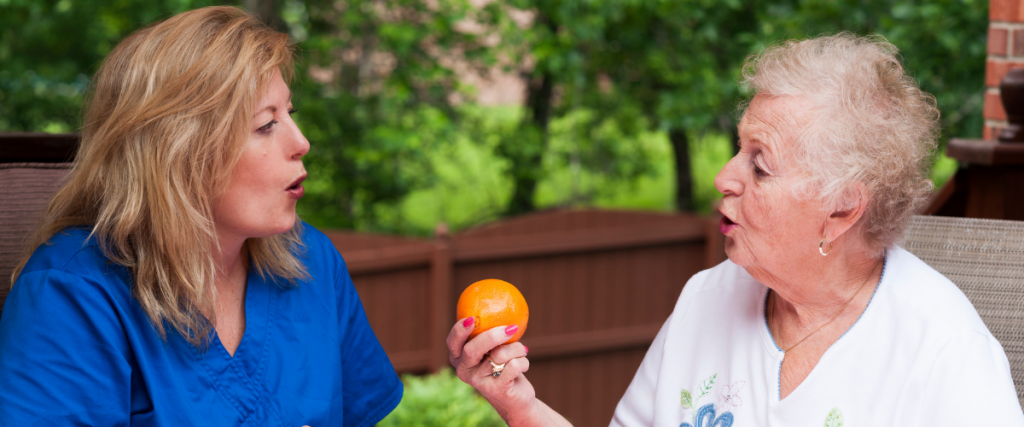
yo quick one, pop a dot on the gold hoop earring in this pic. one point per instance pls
(821, 247)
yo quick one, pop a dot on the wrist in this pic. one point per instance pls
(537, 414)
(526, 416)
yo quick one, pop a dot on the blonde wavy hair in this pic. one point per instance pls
(872, 125)
(168, 114)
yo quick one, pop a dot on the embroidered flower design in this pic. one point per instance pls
(834, 418)
(705, 417)
(688, 401)
(731, 396)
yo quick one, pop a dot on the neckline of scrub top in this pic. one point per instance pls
(240, 378)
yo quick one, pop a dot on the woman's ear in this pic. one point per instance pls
(851, 208)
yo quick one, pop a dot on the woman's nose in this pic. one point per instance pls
(728, 181)
(299, 144)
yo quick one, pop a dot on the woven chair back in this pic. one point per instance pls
(985, 258)
(25, 189)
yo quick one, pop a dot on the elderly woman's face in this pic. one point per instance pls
(766, 226)
(260, 198)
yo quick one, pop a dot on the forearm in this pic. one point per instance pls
(540, 415)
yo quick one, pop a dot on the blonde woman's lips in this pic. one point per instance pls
(296, 190)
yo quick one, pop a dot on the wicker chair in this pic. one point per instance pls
(32, 167)
(25, 190)
(985, 258)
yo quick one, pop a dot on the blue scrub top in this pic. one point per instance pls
(77, 349)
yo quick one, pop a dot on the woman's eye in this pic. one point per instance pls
(292, 111)
(265, 129)
(758, 170)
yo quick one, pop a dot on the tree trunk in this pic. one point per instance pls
(527, 149)
(684, 177)
(734, 135)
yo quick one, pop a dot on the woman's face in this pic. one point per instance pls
(766, 226)
(259, 200)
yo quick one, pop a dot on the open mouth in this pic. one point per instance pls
(297, 184)
(295, 190)
(726, 224)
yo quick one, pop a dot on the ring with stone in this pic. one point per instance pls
(496, 368)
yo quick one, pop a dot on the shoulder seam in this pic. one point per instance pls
(72, 257)
(69, 258)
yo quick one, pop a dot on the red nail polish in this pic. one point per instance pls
(511, 330)
(468, 322)
(527, 349)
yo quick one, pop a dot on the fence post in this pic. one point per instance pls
(442, 315)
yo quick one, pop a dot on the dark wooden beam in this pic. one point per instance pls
(37, 147)
(499, 247)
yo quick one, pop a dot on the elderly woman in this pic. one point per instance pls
(817, 318)
(171, 283)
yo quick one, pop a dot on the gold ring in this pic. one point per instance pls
(496, 368)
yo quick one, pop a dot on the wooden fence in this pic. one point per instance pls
(599, 285)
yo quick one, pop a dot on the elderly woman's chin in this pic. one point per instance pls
(739, 253)
(733, 252)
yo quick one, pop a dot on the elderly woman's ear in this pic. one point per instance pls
(847, 213)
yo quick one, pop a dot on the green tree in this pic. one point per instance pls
(376, 92)
(942, 43)
(675, 66)
(377, 89)
(49, 50)
(375, 84)
(561, 36)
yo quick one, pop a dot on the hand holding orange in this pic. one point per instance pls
(493, 303)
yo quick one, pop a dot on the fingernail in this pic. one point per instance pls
(511, 330)
(468, 322)
(526, 349)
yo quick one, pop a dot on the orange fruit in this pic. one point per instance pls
(493, 303)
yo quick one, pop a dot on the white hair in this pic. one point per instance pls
(873, 125)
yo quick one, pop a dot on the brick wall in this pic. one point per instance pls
(1005, 52)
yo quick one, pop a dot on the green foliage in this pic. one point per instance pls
(470, 184)
(610, 152)
(375, 100)
(397, 146)
(676, 65)
(942, 43)
(50, 48)
(441, 400)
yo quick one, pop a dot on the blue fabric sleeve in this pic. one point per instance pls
(64, 358)
(371, 387)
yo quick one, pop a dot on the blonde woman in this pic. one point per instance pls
(171, 283)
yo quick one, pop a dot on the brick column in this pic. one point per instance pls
(1005, 52)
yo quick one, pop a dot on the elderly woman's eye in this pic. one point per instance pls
(758, 170)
